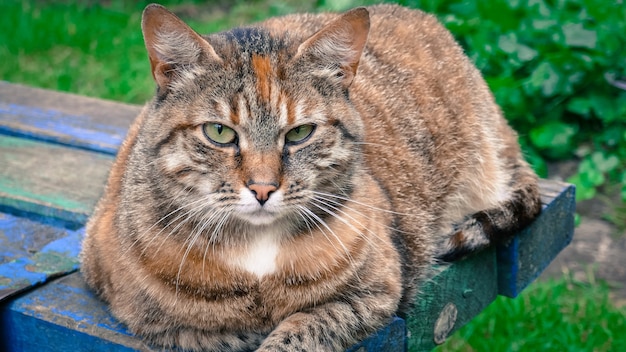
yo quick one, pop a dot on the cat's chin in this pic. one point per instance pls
(259, 218)
(261, 221)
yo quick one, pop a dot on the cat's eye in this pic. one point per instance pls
(299, 134)
(219, 133)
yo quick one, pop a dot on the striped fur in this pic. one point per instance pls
(349, 153)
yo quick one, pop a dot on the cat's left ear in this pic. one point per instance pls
(173, 47)
(338, 46)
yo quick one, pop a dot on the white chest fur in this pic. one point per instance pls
(259, 257)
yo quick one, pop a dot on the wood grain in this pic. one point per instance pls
(522, 260)
(50, 180)
(68, 119)
(31, 253)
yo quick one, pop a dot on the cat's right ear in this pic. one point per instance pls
(173, 47)
(338, 46)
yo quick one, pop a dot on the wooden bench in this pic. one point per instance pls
(55, 152)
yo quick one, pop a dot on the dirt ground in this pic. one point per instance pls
(598, 247)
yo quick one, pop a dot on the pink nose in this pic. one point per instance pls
(262, 191)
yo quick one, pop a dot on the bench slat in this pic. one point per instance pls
(51, 180)
(472, 284)
(31, 253)
(68, 317)
(529, 253)
(63, 118)
(451, 299)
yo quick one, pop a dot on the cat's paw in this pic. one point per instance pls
(304, 332)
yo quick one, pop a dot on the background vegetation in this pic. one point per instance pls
(557, 68)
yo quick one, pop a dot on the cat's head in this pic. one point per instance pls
(250, 126)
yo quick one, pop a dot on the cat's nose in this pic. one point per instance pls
(262, 191)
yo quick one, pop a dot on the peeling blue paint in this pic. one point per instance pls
(28, 264)
(58, 127)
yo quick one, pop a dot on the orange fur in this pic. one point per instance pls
(263, 72)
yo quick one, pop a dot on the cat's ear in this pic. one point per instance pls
(173, 47)
(338, 46)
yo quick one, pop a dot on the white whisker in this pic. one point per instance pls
(224, 216)
(338, 209)
(373, 244)
(319, 221)
(339, 204)
(347, 199)
(188, 216)
(140, 236)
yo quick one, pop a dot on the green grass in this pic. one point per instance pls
(89, 50)
(97, 50)
(560, 315)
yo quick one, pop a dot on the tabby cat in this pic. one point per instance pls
(292, 182)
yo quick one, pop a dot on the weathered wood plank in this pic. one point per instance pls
(31, 253)
(465, 288)
(451, 299)
(50, 180)
(63, 118)
(529, 253)
(68, 317)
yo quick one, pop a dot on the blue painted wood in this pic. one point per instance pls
(454, 296)
(55, 126)
(62, 315)
(522, 260)
(68, 317)
(32, 253)
(22, 333)
(62, 118)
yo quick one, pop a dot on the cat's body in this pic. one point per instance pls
(273, 194)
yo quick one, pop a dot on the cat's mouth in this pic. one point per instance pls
(258, 216)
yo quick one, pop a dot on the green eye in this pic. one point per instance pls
(219, 133)
(299, 134)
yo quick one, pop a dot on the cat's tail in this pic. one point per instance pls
(498, 224)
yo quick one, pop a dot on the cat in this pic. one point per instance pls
(292, 183)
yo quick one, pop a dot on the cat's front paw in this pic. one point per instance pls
(303, 332)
